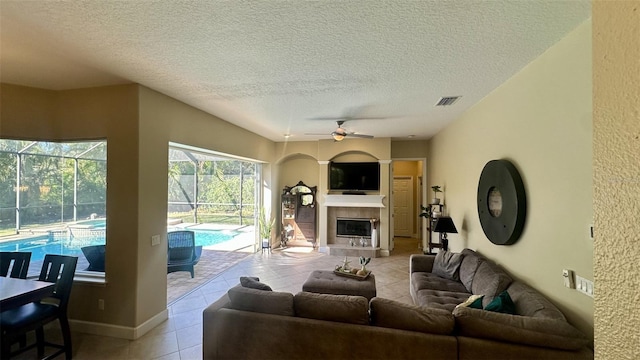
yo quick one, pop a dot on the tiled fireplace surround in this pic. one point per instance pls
(333, 213)
(340, 245)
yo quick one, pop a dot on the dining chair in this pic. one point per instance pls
(15, 323)
(20, 262)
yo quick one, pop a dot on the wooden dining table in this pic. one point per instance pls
(16, 292)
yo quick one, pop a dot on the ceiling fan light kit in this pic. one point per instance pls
(340, 133)
(338, 136)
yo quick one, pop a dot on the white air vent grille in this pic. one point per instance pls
(446, 101)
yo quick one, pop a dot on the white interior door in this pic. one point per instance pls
(402, 205)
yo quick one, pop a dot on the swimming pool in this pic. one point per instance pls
(71, 242)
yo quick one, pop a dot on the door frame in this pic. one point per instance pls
(423, 192)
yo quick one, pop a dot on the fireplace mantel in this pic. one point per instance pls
(373, 201)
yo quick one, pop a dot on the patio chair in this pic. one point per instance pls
(182, 252)
(20, 262)
(15, 323)
(95, 256)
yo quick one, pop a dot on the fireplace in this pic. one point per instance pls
(349, 227)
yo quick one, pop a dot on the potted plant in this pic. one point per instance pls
(426, 211)
(265, 228)
(436, 190)
(363, 263)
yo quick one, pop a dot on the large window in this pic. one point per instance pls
(52, 197)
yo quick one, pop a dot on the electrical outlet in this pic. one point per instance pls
(100, 304)
(155, 240)
(569, 281)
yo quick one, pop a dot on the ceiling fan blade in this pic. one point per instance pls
(325, 134)
(348, 118)
(328, 118)
(360, 136)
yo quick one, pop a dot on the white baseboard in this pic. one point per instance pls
(118, 331)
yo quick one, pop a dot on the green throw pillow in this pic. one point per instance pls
(502, 304)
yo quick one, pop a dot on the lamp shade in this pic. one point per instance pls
(444, 224)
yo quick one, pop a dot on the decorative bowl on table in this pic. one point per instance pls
(351, 273)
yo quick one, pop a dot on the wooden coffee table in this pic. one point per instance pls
(326, 282)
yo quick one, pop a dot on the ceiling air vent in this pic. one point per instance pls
(446, 101)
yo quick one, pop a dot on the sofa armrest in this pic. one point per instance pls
(421, 263)
(209, 315)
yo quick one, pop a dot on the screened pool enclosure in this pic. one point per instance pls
(46, 183)
(210, 188)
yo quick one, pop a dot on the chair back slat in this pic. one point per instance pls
(59, 269)
(20, 261)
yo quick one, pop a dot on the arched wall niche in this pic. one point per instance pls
(354, 156)
(298, 167)
(378, 148)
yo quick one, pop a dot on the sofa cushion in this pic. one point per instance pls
(396, 315)
(330, 307)
(517, 329)
(425, 280)
(490, 280)
(447, 265)
(253, 283)
(502, 304)
(468, 267)
(530, 302)
(438, 299)
(268, 302)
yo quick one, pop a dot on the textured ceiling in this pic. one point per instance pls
(275, 67)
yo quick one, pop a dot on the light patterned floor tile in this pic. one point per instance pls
(180, 337)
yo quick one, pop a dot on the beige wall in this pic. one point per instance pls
(164, 120)
(109, 113)
(409, 149)
(138, 124)
(540, 120)
(25, 108)
(616, 174)
(299, 168)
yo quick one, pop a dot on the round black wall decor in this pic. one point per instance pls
(502, 203)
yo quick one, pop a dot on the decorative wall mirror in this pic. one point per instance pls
(305, 194)
(502, 202)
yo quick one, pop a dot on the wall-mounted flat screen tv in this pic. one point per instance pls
(354, 176)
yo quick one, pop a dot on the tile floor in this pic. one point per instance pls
(180, 337)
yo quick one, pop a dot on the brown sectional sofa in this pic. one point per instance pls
(248, 323)
(537, 329)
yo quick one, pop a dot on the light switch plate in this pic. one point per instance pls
(155, 240)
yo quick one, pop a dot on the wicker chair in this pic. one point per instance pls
(182, 252)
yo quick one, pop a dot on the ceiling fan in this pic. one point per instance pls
(340, 133)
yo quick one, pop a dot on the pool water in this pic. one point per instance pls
(41, 245)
